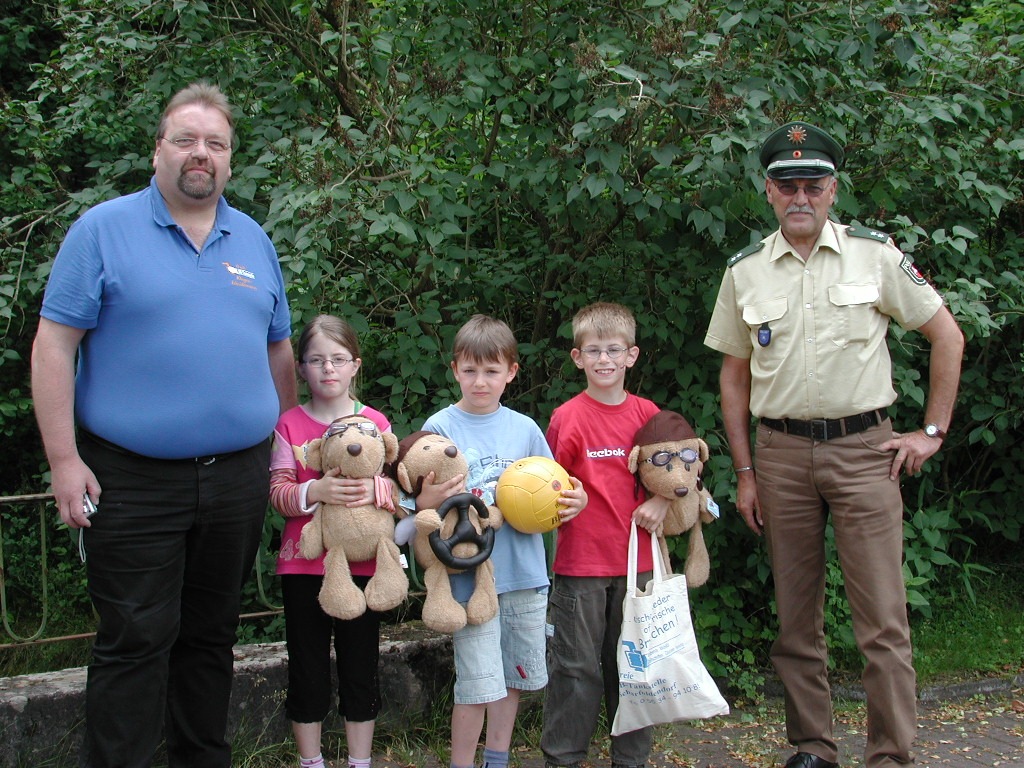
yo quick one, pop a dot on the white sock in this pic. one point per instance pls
(312, 762)
(358, 762)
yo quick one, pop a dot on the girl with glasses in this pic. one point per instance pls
(328, 361)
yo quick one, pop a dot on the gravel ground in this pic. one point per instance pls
(965, 730)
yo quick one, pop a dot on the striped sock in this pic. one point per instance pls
(312, 762)
(358, 762)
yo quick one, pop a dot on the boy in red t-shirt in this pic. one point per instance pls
(591, 436)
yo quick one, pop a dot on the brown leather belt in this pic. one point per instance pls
(827, 429)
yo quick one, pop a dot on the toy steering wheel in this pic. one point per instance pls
(464, 533)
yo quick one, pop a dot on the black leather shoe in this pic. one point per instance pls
(807, 760)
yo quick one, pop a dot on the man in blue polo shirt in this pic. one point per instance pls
(174, 305)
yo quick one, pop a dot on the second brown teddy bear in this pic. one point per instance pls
(419, 454)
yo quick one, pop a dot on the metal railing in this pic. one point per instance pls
(42, 503)
(40, 500)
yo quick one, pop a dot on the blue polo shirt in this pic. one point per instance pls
(174, 360)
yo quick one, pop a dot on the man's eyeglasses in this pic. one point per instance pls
(186, 145)
(788, 190)
(593, 353)
(319, 362)
(340, 427)
(661, 458)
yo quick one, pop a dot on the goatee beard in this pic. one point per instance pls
(198, 187)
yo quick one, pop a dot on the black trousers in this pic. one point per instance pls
(168, 553)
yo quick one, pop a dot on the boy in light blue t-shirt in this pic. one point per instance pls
(495, 661)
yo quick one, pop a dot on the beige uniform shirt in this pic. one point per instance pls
(815, 332)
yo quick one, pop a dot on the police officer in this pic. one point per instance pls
(801, 319)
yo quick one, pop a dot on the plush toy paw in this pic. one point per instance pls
(388, 586)
(339, 596)
(483, 604)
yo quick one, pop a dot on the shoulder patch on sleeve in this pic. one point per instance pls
(854, 230)
(911, 271)
(740, 255)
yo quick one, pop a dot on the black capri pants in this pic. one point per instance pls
(308, 635)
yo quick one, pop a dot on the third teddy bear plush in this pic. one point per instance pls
(419, 454)
(668, 459)
(355, 534)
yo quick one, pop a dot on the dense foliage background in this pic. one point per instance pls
(415, 162)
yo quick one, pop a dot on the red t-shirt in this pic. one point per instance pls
(592, 442)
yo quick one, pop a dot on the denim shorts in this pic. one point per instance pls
(506, 652)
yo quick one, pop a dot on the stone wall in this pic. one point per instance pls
(41, 715)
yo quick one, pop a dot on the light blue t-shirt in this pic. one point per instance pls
(174, 360)
(491, 443)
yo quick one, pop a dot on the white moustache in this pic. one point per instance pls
(799, 209)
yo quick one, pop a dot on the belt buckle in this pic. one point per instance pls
(819, 429)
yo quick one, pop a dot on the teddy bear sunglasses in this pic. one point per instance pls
(663, 458)
(339, 428)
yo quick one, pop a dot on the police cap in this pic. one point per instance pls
(799, 150)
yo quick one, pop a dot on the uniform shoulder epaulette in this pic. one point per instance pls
(740, 255)
(854, 230)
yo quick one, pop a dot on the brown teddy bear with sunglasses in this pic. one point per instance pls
(354, 534)
(668, 460)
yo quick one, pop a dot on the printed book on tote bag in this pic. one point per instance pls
(661, 676)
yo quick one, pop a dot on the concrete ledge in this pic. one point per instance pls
(41, 716)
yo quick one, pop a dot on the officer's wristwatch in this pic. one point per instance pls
(932, 430)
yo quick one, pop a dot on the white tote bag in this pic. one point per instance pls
(661, 676)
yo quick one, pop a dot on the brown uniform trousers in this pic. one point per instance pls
(801, 483)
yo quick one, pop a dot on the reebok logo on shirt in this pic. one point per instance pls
(606, 453)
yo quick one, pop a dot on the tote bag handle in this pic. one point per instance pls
(660, 571)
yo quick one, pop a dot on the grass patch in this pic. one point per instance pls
(971, 633)
(967, 638)
(427, 735)
(45, 656)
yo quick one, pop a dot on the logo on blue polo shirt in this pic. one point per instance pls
(240, 276)
(239, 271)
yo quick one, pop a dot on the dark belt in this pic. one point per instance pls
(827, 429)
(207, 460)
